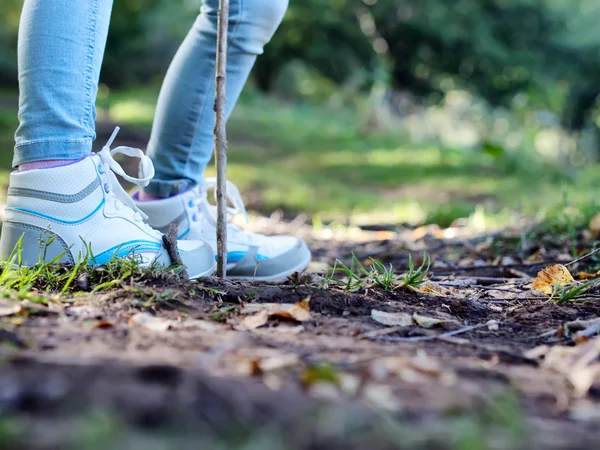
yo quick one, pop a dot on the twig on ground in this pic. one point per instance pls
(440, 336)
(221, 136)
(469, 281)
(575, 261)
(170, 242)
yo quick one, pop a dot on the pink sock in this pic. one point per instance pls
(46, 164)
(145, 197)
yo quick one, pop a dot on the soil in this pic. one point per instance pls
(92, 371)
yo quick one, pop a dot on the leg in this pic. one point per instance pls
(181, 144)
(59, 67)
(75, 212)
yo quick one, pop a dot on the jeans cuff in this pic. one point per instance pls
(165, 189)
(51, 150)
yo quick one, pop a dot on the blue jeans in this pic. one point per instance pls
(61, 47)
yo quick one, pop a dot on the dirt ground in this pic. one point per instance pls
(486, 363)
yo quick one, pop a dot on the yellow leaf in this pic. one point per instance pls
(587, 276)
(557, 275)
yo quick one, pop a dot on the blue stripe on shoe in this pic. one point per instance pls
(66, 222)
(126, 249)
(236, 257)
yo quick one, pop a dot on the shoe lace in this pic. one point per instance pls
(209, 211)
(113, 188)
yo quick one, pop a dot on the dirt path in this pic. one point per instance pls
(497, 369)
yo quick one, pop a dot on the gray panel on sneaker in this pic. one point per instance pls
(54, 197)
(34, 244)
(275, 269)
(199, 262)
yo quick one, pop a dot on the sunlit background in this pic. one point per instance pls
(383, 111)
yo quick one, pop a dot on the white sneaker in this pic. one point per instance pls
(60, 211)
(249, 255)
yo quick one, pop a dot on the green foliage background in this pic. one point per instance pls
(496, 48)
(502, 105)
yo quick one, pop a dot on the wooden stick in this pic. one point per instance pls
(583, 257)
(221, 136)
(170, 243)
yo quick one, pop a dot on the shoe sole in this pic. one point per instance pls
(279, 277)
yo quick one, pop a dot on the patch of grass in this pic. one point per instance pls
(570, 292)
(47, 281)
(357, 276)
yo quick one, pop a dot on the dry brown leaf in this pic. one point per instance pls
(299, 312)
(254, 321)
(557, 275)
(392, 319)
(150, 322)
(431, 288)
(9, 308)
(427, 322)
(587, 276)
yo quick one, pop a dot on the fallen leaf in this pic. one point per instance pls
(392, 319)
(299, 312)
(587, 276)
(557, 275)
(426, 322)
(9, 308)
(431, 288)
(254, 321)
(150, 322)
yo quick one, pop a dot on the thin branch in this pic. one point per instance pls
(583, 257)
(170, 243)
(221, 136)
(440, 336)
